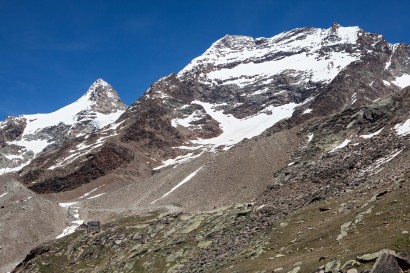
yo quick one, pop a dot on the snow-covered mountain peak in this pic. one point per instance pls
(305, 54)
(103, 98)
(99, 86)
(31, 134)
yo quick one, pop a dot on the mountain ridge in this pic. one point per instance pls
(189, 109)
(276, 127)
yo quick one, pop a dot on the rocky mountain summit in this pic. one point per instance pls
(283, 154)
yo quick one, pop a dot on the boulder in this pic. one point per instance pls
(332, 266)
(404, 260)
(386, 263)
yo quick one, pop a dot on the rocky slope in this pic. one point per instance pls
(328, 207)
(26, 220)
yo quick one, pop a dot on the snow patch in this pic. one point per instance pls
(178, 160)
(307, 111)
(13, 157)
(67, 205)
(36, 146)
(102, 120)
(4, 194)
(354, 98)
(186, 122)
(186, 179)
(310, 137)
(402, 81)
(74, 215)
(14, 169)
(372, 134)
(375, 166)
(315, 68)
(403, 129)
(341, 145)
(95, 196)
(235, 130)
(88, 193)
(393, 48)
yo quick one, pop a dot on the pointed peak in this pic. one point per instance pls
(335, 26)
(103, 97)
(101, 88)
(99, 85)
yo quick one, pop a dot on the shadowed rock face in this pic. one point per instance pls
(109, 158)
(11, 129)
(387, 263)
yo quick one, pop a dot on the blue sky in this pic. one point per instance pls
(52, 51)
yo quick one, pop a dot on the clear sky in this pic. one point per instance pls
(51, 51)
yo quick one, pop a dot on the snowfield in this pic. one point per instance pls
(303, 56)
(235, 130)
(186, 179)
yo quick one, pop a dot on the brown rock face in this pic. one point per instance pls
(386, 263)
(109, 158)
(12, 129)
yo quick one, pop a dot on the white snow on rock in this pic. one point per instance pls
(186, 179)
(4, 194)
(402, 81)
(317, 70)
(235, 130)
(95, 196)
(341, 145)
(74, 216)
(354, 98)
(310, 137)
(80, 150)
(303, 56)
(386, 83)
(88, 193)
(36, 146)
(307, 111)
(179, 159)
(372, 134)
(13, 157)
(67, 205)
(14, 169)
(393, 47)
(403, 129)
(186, 122)
(375, 167)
